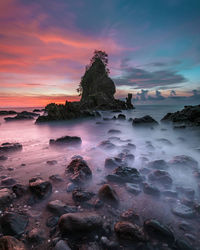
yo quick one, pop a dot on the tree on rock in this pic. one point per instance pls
(99, 57)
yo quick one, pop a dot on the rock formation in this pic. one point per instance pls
(97, 91)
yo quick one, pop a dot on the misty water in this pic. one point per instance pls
(159, 142)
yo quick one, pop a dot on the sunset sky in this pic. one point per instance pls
(153, 48)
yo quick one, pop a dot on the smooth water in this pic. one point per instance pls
(36, 152)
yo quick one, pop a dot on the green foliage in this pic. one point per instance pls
(98, 55)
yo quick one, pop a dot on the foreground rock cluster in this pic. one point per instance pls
(97, 219)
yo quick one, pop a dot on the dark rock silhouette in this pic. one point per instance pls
(190, 115)
(97, 91)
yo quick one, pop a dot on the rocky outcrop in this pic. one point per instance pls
(66, 140)
(79, 222)
(97, 93)
(145, 120)
(190, 115)
(79, 172)
(10, 112)
(10, 147)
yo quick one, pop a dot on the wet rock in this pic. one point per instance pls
(107, 145)
(185, 226)
(77, 157)
(133, 188)
(51, 163)
(14, 224)
(188, 116)
(170, 193)
(112, 162)
(121, 117)
(8, 181)
(184, 161)
(40, 188)
(11, 243)
(183, 211)
(56, 178)
(125, 174)
(52, 221)
(156, 230)
(59, 208)
(5, 196)
(80, 222)
(36, 236)
(165, 141)
(81, 196)
(149, 145)
(19, 190)
(98, 203)
(158, 164)
(10, 147)
(79, 171)
(108, 195)
(145, 120)
(160, 176)
(114, 131)
(151, 189)
(62, 245)
(127, 231)
(130, 215)
(66, 140)
(3, 158)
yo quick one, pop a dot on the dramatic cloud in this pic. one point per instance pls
(140, 78)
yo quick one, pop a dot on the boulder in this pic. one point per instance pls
(80, 222)
(156, 230)
(124, 174)
(10, 147)
(158, 164)
(11, 243)
(190, 115)
(9, 181)
(183, 211)
(5, 196)
(66, 140)
(133, 188)
(13, 224)
(184, 161)
(112, 162)
(108, 195)
(127, 231)
(79, 171)
(107, 145)
(151, 189)
(40, 188)
(81, 196)
(160, 176)
(59, 208)
(114, 131)
(145, 120)
(121, 117)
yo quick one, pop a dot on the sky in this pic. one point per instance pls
(153, 48)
